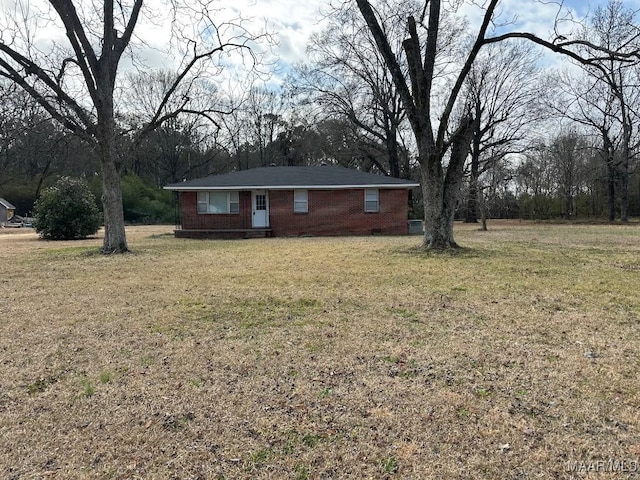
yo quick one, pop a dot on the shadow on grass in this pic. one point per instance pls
(418, 251)
(161, 235)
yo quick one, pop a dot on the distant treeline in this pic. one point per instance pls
(563, 177)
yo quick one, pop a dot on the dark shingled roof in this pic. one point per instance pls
(281, 178)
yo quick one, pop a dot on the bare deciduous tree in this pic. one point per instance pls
(504, 96)
(443, 140)
(345, 77)
(604, 97)
(265, 119)
(569, 152)
(73, 72)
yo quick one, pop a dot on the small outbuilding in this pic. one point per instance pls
(292, 201)
(7, 211)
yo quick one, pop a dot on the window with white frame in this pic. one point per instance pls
(218, 202)
(371, 201)
(300, 201)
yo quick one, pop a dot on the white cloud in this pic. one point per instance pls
(290, 21)
(293, 21)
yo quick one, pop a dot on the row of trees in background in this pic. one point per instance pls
(565, 178)
(529, 140)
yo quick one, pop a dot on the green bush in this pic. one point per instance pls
(143, 203)
(66, 211)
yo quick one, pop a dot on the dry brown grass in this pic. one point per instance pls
(321, 357)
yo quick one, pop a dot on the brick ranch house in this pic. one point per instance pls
(292, 201)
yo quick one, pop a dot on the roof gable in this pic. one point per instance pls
(281, 178)
(6, 204)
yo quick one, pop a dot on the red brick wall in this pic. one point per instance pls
(338, 212)
(331, 212)
(192, 220)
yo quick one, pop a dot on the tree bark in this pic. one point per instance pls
(438, 231)
(441, 191)
(392, 151)
(114, 233)
(114, 236)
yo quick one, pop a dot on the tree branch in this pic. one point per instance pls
(85, 56)
(562, 49)
(392, 63)
(453, 96)
(30, 68)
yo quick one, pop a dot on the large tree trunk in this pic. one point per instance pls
(392, 151)
(438, 225)
(115, 240)
(441, 190)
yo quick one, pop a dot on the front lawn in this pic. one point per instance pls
(360, 357)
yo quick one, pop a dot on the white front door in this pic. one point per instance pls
(260, 207)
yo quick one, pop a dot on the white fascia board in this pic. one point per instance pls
(293, 187)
